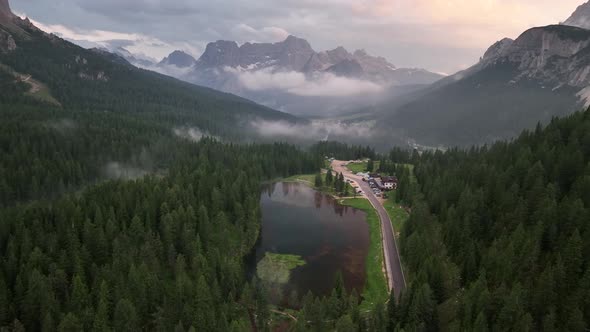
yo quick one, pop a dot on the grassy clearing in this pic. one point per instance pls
(37, 89)
(308, 178)
(276, 268)
(41, 92)
(376, 285)
(362, 167)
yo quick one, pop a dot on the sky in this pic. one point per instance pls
(440, 35)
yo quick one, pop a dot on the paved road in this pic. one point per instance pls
(393, 265)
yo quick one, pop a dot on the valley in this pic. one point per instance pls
(249, 182)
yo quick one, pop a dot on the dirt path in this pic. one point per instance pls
(35, 86)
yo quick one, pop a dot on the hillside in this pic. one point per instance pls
(516, 84)
(93, 80)
(73, 117)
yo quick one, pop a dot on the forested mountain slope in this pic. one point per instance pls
(72, 116)
(92, 80)
(499, 237)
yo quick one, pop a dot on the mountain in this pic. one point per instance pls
(138, 60)
(179, 59)
(544, 73)
(253, 70)
(5, 12)
(581, 17)
(291, 54)
(296, 54)
(346, 68)
(75, 78)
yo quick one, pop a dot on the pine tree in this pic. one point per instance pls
(101, 318)
(4, 303)
(70, 323)
(345, 324)
(318, 181)
(392, 313)
(125, 316)
(329, 178)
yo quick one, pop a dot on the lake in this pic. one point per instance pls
(329, 237)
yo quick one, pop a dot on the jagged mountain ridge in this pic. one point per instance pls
(223, 65)
(296, 54)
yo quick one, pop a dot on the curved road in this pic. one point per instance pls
(393, 265)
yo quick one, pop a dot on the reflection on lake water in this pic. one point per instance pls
(330, 237)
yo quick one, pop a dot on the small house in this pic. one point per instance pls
(389, 182)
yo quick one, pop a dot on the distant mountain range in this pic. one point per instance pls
(228, 67)
(296, 54)
(544, 73)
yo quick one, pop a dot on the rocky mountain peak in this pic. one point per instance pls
(295, 44)
(497, 49)
(221, 53)
(339, 53)
(581, 17)
(179, 59)
(5, 12)
(360, 53)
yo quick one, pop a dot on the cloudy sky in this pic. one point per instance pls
(440, 35)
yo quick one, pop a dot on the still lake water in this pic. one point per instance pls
(330, 237)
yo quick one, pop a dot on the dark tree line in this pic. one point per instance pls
(499, 236)
(157, 253)
(342, 151)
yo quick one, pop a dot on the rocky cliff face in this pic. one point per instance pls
(291, 54)
(7, 43)
(7, 26)
(581, 17)
(556, 55)
(5, 12)
(220, 53)
(347, 68)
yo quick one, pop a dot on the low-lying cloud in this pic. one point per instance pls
(62, 125)
(168, 70)
(314, 130)
(191, 133)
(296, 83)
(116, 170)
(136, 43)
